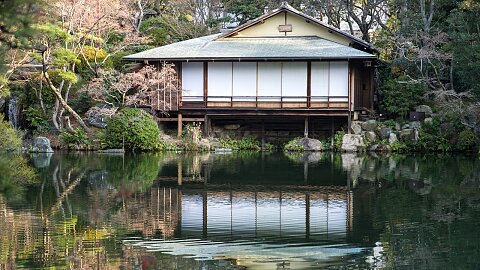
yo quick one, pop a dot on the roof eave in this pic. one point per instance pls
(239, 59)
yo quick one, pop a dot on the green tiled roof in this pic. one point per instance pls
(274, 48)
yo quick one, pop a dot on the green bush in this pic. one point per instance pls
(466, 140)
(293, 145)
(36, 119)
(245, 143)
(338, 140)
(400, 95)
(10, 138)
(399, 147)
(132, 129)
(76, 139)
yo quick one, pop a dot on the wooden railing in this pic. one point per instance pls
(259, 102)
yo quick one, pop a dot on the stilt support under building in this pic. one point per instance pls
(180, 125)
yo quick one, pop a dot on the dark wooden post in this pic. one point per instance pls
(305, 132)
(309, 84)
(180, 125)
(206, 128)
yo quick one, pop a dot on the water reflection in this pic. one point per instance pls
(242, 210)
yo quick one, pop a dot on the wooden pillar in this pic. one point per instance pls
(309, 84)
(180, 125)
(305, 132)
(350, 89)
(206, 128)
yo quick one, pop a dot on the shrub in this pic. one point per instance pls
(293, 145)
(191, 136)
(132, 129)
(245, 143)
(466, 140)
(9, 137)
(399, 147)
(338, 140)
(400, 95)
(76, 139)
(36, 119)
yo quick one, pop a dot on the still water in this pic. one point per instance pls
(239, 211)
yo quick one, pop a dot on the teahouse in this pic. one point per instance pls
(282, 70)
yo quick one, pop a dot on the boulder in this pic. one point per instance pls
(371, 136)
(41, 145)
(424, 109)
(97, 116)
(214, 143)
(392, 138)
(380, 148)
(397, 127)
(204, 144)
(406, 126)
(217, 129)
(370, 125)
(311, 144)
(409, 135)
(385, 133)
(356, 128)
(231, 127)
(352, 143)
(428, 120)
(383, 148)
(415, 124)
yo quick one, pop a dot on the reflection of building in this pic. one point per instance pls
(245, 226)
(156, 211)
(269, 215)
(227, 215)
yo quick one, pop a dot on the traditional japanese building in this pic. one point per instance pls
(282, 70)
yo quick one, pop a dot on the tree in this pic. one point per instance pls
(148, 86)
(244, 11)
(16, 17)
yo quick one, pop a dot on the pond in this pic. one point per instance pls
(242, 210)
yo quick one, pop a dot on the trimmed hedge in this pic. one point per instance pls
(132, 129)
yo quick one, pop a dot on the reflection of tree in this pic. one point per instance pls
(15, 174)
(427, 208)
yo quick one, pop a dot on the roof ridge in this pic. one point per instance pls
(284, 6)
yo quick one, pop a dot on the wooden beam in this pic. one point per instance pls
(179, 84)
(174, 119)
(309, 83)
(205, 82)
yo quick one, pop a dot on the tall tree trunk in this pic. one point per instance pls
(55, 121)
(64, 104)
(60, 115)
